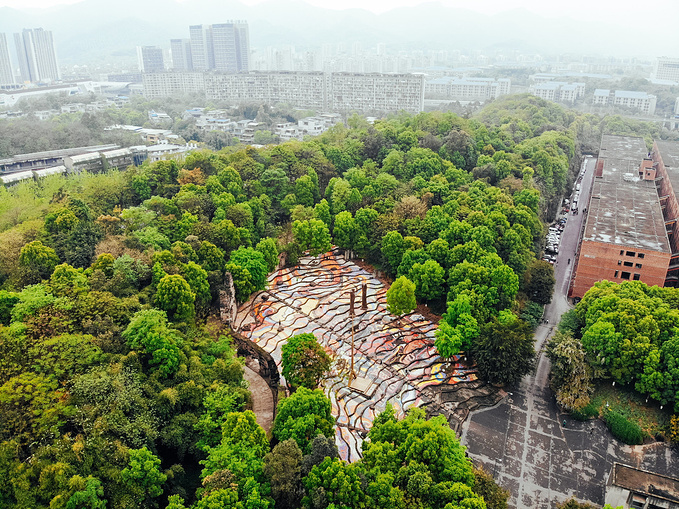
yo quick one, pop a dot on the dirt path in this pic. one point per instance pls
(262, 399)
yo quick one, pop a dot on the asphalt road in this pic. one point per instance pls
(523, 441)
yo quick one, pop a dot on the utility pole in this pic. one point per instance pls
(352, 298)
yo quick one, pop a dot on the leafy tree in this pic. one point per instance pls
(269, 249)
(254, 262)
(38, 261)
(32, 408)
(304, 361)
(7, 302)
(458, 329)
(149, 332)
(427, 462)
(539, 282)
(485, 486)
(88, 493)
(333, 483)
(302, 416)
(174, 295)
(67, 281)
(346, 230)
(241, 450)
(197, 280)
(393, 248)
(401, 296)
(283, 469)
(312, 235)
(143, 478)
(570, 373)
(210, 256)
(429, 279)
(321, 447)
(322, 212)
(504, 351)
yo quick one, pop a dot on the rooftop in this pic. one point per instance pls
(641, 481)
(623, 209)
(631, 94)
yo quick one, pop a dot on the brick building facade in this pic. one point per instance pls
(625, 236)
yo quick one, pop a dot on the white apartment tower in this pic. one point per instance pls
(201, 47)
(36, 54)
(6, 73)
(223, 47)
(150, 58)
(181, 54)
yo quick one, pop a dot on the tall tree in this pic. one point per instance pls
(304, 360)
(401, 296)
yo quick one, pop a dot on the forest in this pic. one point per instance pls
(119, 388)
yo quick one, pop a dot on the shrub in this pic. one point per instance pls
(623, 429)
(587, 412)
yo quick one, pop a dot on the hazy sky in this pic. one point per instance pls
(548, 8)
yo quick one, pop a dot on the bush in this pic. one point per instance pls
(587, 412)
(622, 429)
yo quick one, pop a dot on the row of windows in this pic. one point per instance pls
(630, 253)
(629, 264)
(626, 275)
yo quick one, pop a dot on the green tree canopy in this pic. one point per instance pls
(401, 296)
(304, 361)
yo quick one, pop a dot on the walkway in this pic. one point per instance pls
(262, 399)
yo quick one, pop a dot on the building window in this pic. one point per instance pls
(636, 277)
(640, 255)
(625, 275)
(622, 251)
(630, 253)
(628, 264)
(638, 265)
(619, 262)
(616, 273)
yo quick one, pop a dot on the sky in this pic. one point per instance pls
(622, 13)
(547, 8)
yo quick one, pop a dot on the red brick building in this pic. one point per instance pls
(625, 237)
(665, 158)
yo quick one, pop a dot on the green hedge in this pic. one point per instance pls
(622, 429)
(585, 413)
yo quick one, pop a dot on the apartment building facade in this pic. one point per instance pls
(371, 92)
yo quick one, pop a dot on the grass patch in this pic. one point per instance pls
(629, 404)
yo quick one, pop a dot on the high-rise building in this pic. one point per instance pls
(6, 73)
(201, 47)
(222, 47)
(150, 59)
(181, 54)
(36, 54)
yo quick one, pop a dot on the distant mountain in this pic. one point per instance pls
(96, 30)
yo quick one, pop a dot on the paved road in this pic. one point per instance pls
(523, 442)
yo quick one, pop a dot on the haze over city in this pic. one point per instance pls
(313, 254)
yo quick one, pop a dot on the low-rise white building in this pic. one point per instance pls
(641, 101)
(470, 88)
(559, 91)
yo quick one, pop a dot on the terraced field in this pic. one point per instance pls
(394, 356)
